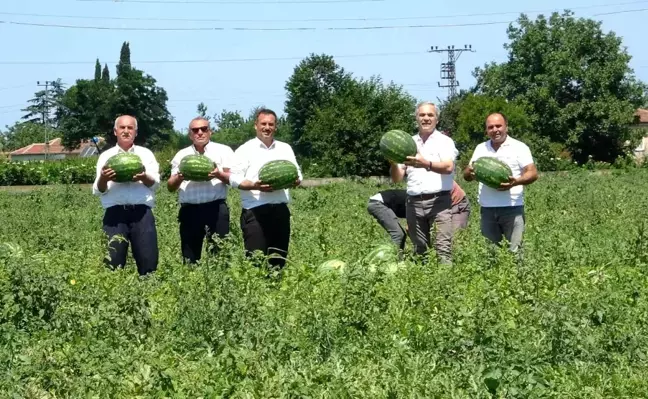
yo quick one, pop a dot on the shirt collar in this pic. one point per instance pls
(434, 134)
(131, 149)
(506, 143)
(262, 145)
(195, 150)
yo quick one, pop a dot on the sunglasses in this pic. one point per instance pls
(201, 128)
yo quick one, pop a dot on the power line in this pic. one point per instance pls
(309, 28)
(357, 19)
(291, 58)
(261, 2)
(448, 70)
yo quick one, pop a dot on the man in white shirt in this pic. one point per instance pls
(128, 216)
(430, 176)
(265, 217)
(203, 207)
(502, 209)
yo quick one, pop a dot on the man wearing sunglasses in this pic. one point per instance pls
(203, 207)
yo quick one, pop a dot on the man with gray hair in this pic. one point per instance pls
(430, 177)
(128, 217)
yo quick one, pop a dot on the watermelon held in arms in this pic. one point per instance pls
(196, 167)
(396, 146)
(125, 165)
(491, 172)
(279, 174)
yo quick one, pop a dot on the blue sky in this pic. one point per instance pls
(249, 68)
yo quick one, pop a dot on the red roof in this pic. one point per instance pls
(55, 147)
(642, 115)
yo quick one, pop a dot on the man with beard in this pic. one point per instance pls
(430, 176)
(265, 218)
(203, 207)
(502, 209)
(128, 216)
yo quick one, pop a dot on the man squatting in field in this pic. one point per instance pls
(128, 216)
(429, 182)
(203, 207)
(502, 210)
(388, 206)
(265, 217)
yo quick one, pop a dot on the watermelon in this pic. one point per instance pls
(333, 265)
(491, 172)
(279, 174)
(380, 255)
(126, 165)
(196, 167)
(396, 146)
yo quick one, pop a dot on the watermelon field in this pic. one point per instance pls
(568, 321)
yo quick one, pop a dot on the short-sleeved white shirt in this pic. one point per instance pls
(198, 192)
(516, 155)
(438, 147)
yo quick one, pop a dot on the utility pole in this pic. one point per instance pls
(45, 112)
(448, 70)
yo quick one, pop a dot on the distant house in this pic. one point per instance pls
(641, 122)
(38, 151)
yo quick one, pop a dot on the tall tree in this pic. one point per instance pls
(124, 59)
(97, 75)
(346, 131)
(202, 111)
(574, 79)
(315, 80)
(105, 75)
(44, 105)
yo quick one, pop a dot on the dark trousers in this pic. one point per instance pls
(266, 228)
(134, 224)
(198, 221)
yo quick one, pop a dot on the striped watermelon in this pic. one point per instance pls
(126, 165)
(279, 174)
(491, 172)
(196, 167)
(396, 146)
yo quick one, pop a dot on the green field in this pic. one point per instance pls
(570, 321)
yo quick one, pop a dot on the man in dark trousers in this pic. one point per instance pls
(128, 216)
(265, 217)
(203, 206)
(387, 207)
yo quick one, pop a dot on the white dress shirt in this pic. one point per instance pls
(516, 155)
(438, 147)
(199, 192)
(130, 193)
(248, 160)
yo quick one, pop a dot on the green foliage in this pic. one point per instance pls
(345, 134)
(568, 321)
(22, 134)
(74, 170)
(311, 87)
(574, 80)
(44, 106)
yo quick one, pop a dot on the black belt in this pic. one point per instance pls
(429, 196)
(184, 204)
(128, 207)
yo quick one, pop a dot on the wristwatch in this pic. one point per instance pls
(429, 167)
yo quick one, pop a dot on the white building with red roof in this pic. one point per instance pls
(55, 150)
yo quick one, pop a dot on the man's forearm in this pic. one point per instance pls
(173, 183)
(527, 177)
(443, 167)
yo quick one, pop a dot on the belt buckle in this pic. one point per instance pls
(128, 207)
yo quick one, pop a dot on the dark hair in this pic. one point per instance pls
(265, 111)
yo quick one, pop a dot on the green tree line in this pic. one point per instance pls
(566, 88)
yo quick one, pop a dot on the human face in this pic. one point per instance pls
(426, 118)
(265, 127)
(199, 132)
(125, 131)
(496, 128)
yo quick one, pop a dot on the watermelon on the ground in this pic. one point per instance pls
(279, 174)
(396, 146)
(196, 167)
(381, 254)
(333, 265)
(491, 172)
(126, 165)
